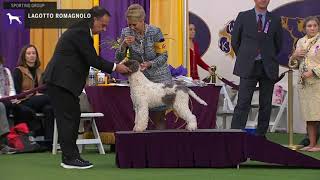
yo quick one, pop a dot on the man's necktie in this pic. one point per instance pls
(260, 23)
(259, 29)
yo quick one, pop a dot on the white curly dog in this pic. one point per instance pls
(146, 94)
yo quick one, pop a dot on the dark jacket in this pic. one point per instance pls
(246, 41)
(72, 58)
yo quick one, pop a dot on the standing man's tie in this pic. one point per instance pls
(260, 23)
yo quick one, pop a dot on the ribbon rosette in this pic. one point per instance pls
(179, 71)
(266, 29)
(317, 49)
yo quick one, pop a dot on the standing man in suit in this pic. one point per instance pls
(256, 40)
(66, 75)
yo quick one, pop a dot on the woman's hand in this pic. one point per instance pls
(38, 94)
(299, 53)
(128, 40)
(145, 65)
(307, 74)
(210, 70)
(15, 101)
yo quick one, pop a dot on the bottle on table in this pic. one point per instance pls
(92, 77)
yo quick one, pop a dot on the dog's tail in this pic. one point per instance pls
(196, 97)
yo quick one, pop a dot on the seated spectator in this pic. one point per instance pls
(27, 76)
(4, 130)
(20, 112)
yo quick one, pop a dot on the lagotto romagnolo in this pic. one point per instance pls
(58, 15)
(146, 94)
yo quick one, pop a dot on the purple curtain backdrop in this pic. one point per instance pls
(11, 41)
(117, 10)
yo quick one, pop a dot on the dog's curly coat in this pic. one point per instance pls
(146, 94)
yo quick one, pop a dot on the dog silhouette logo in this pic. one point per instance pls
(13, 18)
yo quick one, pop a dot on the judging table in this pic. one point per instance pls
(116, 105)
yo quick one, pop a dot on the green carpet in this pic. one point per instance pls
(44, 166)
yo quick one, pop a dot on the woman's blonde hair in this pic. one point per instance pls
(135, 12)
(310, 18)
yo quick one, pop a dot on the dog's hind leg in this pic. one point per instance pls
(141, 119)
(184, 112)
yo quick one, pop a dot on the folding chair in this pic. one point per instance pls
(81, 142)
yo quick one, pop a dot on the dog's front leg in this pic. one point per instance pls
(141, 119)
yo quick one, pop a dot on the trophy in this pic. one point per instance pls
(212, 78)
(293, 64)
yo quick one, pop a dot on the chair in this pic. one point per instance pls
(39, 138)
(81, 142)
(227, 106)
(275, 123)
(225, 115)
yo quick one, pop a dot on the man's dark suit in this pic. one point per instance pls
(247, 43)
(65, 76)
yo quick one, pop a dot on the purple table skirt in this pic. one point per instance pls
(202, 148)
(116, 105)
(179, 149)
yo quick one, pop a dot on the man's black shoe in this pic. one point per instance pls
(76, 164)
(84, 160)
(80, 158)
